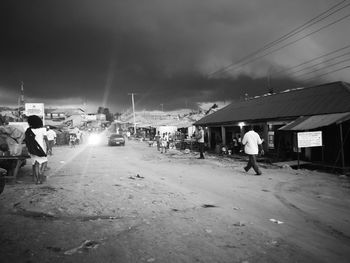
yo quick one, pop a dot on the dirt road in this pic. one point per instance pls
(133, 204)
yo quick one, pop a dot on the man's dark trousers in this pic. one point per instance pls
(201, 150)
(252, 163)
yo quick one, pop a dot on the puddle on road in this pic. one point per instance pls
(34, 214)
(84, 247)
(48, 188)
(50, 216)
(208, 206)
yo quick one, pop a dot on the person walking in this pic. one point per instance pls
(164, 143)
(235, 144)
(157, 139)
(239, 140)
(200, 140)
(36, 141)
(252, 143)
(51, 137)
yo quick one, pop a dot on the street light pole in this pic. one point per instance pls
(21, 99)
(133, 110)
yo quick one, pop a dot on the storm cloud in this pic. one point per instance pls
(165, 51)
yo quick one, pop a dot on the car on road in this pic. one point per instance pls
(116, 139)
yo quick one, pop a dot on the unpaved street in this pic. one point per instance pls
(133, 204)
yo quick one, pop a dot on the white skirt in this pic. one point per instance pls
(38, 159)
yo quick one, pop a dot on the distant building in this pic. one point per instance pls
(65, 116)
(62, 113)
(101, 117)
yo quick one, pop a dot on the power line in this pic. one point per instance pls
(308, 23)
(322, 62)
(306, 62)
(284, 37)
(327, 73)
(327, 66)
(290, 43)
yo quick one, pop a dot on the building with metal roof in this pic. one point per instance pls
(277, 117)
(290, 104)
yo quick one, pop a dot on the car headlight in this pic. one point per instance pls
(94, 139)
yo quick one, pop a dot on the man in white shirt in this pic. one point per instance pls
(252, 143)
(200, 140)
(51, 137)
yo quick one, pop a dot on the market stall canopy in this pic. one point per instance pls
(145, 125)
(120, 122)
(316, 121)
(184, 125)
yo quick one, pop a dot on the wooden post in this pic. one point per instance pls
(342, 147)
(266, 137)
(223, 135)
(298, 154)
(209, 138)
(322, 154)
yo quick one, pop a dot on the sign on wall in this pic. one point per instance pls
(35, 109)
(309, 139)
(271, 139)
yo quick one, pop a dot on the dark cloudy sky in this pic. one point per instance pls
(168, 52)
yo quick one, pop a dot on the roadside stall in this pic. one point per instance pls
(13, 153)
(185, 139)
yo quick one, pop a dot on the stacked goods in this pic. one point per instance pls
(11, 139)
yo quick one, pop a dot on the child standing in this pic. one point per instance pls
(72, 139)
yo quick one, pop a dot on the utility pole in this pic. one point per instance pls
(133, 109)
(21, 99)
(22, 93)
(162, 106)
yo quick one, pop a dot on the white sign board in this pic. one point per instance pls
(35, 109)
(309, 139)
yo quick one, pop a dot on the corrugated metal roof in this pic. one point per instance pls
(323, 99)
(68, 111)
(313, 122)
